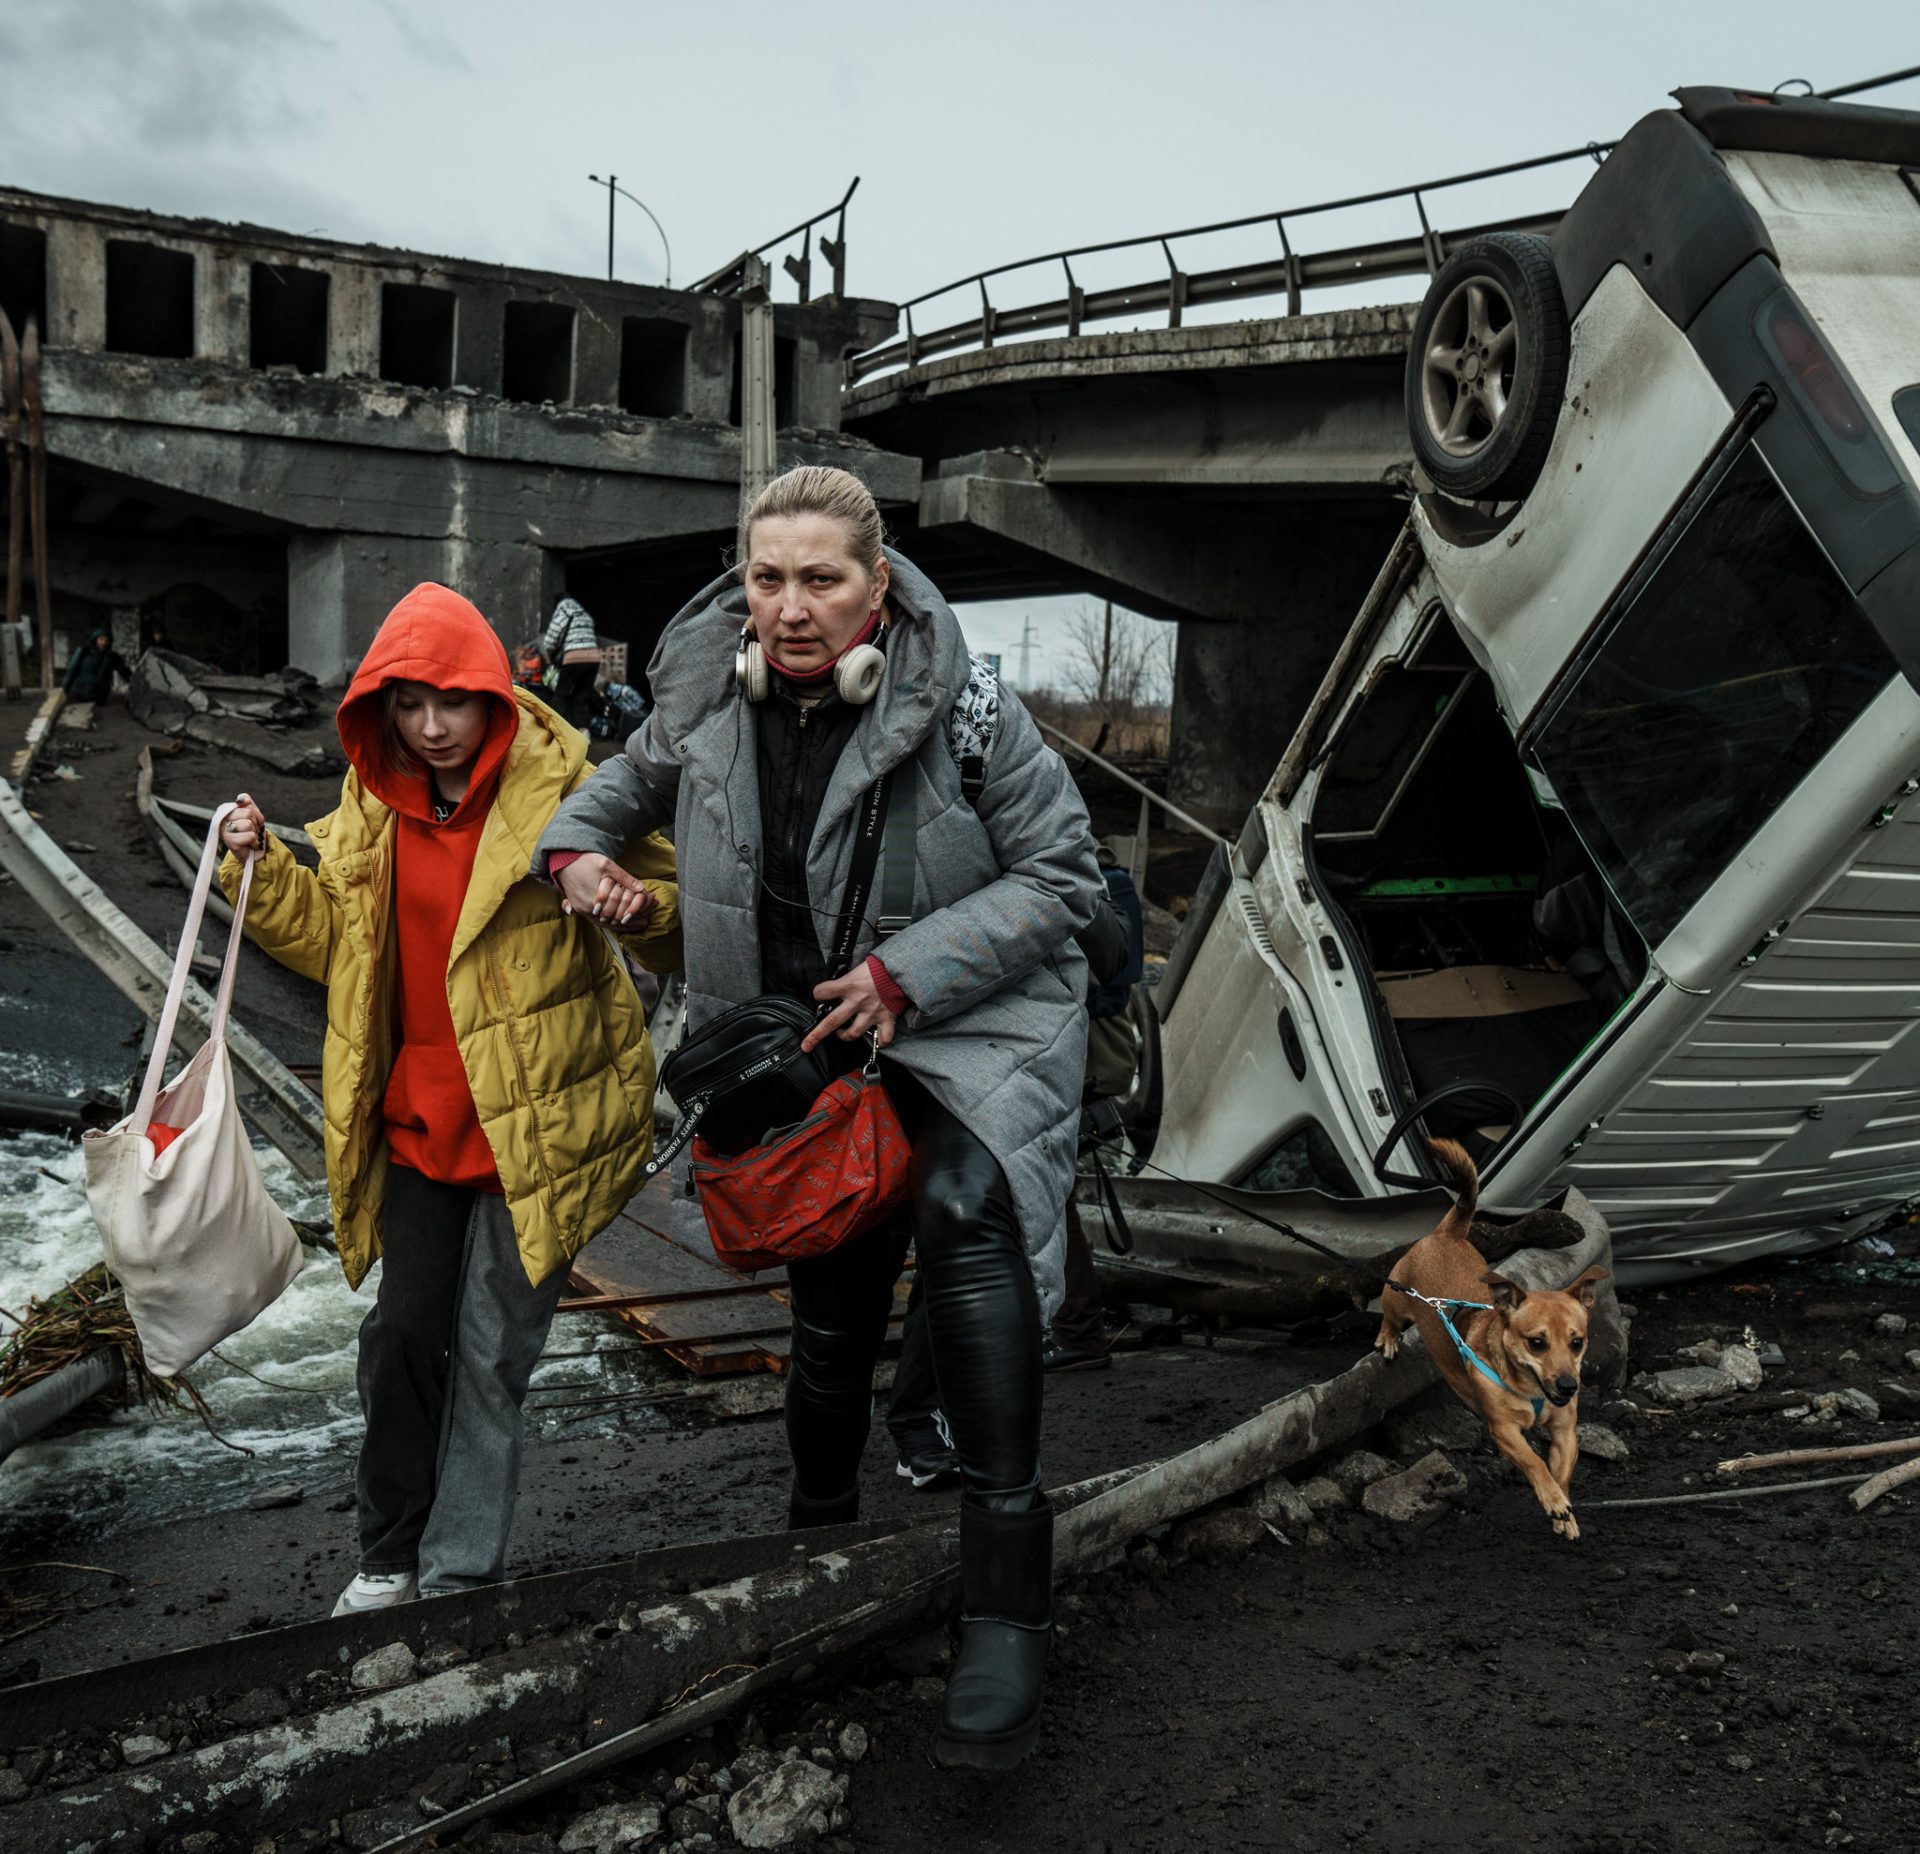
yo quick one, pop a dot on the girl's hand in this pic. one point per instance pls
(857, 1010)
(598, 887)
(244, 830)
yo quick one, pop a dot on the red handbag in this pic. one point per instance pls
(807, 1188)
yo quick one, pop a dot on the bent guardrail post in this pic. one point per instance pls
(281, 1106)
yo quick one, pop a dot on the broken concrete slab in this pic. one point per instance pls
(787, 1805)
(1686, 1384)
(1417, 1495)
(1602, 1443)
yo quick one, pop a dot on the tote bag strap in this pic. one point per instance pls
(183, 968)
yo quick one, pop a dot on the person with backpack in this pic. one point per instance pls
(487, 1076)
(783, 693)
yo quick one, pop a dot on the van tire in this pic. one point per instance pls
(1487, 368)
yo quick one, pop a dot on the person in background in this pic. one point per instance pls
(92, 668)
(488, 1080)
(571, 647)
(1078, 1339)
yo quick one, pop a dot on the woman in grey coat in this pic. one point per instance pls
(770, 725)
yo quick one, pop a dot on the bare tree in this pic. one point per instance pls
(1118, 669)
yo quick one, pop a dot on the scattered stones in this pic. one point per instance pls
(143, 1748)
(1354, 1474)
(1602, 1443)
(282, 1493)
(852, 1743)
(1705, 1352)
(787, 1805)
(1891, 1325)
(1848, 1402)
(1742, 1364)
(13, 1787)
(391, 1666)
(1280, 1503)
(1913, 1361)
(1686, 1384)
(1418, 1494)
(1322, 1496)
(1226, 1532)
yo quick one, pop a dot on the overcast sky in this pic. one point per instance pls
(982, 132)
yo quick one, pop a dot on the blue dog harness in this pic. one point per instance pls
(1466, 1351)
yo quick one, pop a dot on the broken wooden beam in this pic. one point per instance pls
(287, 1113)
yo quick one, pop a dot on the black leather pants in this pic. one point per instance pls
(982, 1313)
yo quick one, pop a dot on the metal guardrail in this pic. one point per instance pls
(730, 279)
(1290, 272)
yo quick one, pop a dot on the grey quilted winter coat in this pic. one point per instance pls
(998, 1032)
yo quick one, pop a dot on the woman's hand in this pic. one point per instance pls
(857, 1010)
(244, 830)
(598, 887)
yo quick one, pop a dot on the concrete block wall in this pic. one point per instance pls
(821, 333)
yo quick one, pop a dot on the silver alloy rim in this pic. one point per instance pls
(1466, 380)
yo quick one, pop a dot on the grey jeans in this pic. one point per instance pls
(446, 1355)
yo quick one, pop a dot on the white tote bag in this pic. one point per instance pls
(191, 1234)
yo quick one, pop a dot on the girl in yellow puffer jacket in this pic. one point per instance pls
(488, 1081)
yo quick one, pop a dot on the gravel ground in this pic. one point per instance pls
(1706, 1677)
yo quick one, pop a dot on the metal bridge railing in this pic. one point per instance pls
(1289, 272)
(730, 279)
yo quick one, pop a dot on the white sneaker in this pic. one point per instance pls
(377, 1590)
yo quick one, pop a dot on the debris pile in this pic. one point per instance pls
(249, 715)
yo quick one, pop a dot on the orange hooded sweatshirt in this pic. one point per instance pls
(432, 636)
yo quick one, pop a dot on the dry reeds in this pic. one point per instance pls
(89, 1313)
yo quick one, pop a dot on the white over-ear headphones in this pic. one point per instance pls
(856, 677)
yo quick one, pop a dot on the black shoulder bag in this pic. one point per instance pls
(744, 1071)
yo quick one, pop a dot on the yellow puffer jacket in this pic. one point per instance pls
(550, 1029)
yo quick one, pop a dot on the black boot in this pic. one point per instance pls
(991, 1714)
(841, 1510)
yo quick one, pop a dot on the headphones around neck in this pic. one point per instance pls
(856, 676)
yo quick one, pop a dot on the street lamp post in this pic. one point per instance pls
(612, 185)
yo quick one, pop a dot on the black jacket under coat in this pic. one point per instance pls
(797, 749)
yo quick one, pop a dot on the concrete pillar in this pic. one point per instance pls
(76, 285)
(222, 303)
(353, 321)
(710, 361)
(1240, 687)
(479, 334)
(596, 356)
(341, 586)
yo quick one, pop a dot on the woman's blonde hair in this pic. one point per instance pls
(820, 489)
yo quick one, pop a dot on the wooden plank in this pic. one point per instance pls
(656, 1263)
(287, 1113)
(637, 1259)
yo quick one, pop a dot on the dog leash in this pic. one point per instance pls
(1442, 1306)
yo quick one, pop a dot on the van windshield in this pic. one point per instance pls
(1718, 689)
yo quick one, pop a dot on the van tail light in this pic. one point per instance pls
(1821, 383)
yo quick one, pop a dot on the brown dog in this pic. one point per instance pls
(1531, 1342)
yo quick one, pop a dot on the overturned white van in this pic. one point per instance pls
(1599, 848)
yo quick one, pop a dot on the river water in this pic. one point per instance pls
(283, 1389)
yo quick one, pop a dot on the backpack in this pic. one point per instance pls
(972, 723)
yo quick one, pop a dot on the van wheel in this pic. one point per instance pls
(1488, 367)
